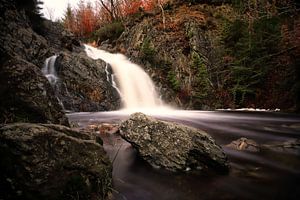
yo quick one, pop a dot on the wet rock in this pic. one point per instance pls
(104, 128)
(172, 146)
(42, 161)
(84, 84)
(244, 144)
(26, 95)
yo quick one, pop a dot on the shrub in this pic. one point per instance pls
(111, 31)
(147, 50)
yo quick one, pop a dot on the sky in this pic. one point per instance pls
(54, 9)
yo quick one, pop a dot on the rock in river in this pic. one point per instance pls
(172, 146)
(43, 161)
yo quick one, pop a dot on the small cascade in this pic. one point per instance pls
(110, 77)
(49, 70)
(50, 73)
(136, 88)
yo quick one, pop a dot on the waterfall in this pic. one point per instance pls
(50, 73)
(49, 70)
(136, 88)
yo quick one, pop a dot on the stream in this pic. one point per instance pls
(268, 174)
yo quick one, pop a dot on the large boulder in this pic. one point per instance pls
(26, 95)
(173, 146)
(43, 161)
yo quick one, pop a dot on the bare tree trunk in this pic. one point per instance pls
(108, 10)
(162, 12)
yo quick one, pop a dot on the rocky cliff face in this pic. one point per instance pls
(25, 93)
(179, 54)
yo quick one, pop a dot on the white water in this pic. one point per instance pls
(49, 70)
(50, 73)
(136, 88)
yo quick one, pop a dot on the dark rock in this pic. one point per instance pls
(59, 37)
(40, 161)
(26, 95)
(172, 146)
(84, 84)
(17, 37)
(244, 144)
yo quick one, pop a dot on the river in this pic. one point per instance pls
(268, 174)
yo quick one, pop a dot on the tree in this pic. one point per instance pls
(69, 19)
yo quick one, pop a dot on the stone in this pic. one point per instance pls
(26, 95)
(44, 161)
(172, 146)
(244, 144)
(84, 84)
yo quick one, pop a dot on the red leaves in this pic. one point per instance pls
(84, 20)
(131, 7)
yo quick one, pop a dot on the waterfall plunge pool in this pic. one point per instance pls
(268, 174)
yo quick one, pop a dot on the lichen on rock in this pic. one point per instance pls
(43, 161)
(172, 146)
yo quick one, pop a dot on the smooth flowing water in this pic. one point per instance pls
(268, 174)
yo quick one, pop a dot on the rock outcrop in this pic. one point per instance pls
(26, 95)
(42, 161)
(173, 146)
(84, 85)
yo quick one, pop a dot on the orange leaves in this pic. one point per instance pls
(86, 18)
(81, 21)
(131, 6)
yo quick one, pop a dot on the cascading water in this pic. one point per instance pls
(136, 87)
(50, 73)
(49, 70)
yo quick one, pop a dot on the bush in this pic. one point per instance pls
(175, 83)
(111, 31)
(147, 51)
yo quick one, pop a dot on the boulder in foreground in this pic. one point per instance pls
(40, 161)
(172, 146)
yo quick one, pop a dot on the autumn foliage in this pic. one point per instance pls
(86, 18)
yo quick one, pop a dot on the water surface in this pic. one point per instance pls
(268, 174)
